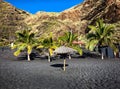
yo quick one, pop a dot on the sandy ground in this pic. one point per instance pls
(81, 73)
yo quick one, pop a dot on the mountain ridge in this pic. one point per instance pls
(77, 18)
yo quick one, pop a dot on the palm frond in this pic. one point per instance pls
(93, 29)
(78, 49)
(91, 36)
(16, 53)
(91, 44)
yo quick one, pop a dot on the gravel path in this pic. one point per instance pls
(83, 73)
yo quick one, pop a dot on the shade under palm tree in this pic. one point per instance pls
(63, 50)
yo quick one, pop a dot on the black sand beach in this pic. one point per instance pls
(82, 73)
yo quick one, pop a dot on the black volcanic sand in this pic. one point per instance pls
(82, 73)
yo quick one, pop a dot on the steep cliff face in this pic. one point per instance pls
(91, 9)
(11, 20)
(108, 10)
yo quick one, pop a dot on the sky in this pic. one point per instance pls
(33, 6)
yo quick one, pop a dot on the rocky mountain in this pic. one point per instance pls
(45, 22)
(76, 18)
(11, 20)
(90, 10)
(109, 10)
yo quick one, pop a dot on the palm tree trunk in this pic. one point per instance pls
(48, 58)
(102, 56)
(115, 54)
(48, 55)
(28, 57)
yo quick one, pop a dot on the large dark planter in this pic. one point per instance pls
(107, 51)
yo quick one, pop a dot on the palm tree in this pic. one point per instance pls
(49, 44)
(101, 35)
(67, 40)
(25, 41)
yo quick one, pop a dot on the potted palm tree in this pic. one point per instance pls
(101, 35)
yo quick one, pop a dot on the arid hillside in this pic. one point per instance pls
(77, 18)
(11, 20)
